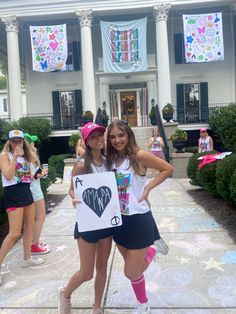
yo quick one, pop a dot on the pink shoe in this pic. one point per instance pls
(37, 249)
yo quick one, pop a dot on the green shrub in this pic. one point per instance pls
(51, 178)
(57, 162)
(73, 140)
(191, 149)
(232, 187)
(223, 125)
(224, 171)
(207, 176)
(32, 125)
(192, 168)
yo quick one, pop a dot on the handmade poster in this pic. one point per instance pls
(203, 37)
(99, 207)
(124, 46)
(49, 47)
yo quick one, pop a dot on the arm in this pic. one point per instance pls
(8, 167)
(147, 160)
(150, 142)
(78, 169)
(211, 143)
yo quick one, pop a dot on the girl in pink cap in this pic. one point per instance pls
(93, 245)
(205, 142)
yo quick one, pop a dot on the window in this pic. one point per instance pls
(5, 109)
(179, 48)
(192, 102)
(73, 62)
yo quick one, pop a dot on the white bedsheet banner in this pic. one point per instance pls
(49, 47)
(124, 46)
(203, 37)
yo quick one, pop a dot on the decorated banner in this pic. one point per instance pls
(124, 46)
(99, 207)
(49, 47)
(203, 37)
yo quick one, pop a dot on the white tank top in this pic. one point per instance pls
(130, 187)
(204, 144)
(156, 145)
(22, 173)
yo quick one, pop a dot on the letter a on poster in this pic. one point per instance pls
(99, 207)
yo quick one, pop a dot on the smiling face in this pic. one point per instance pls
(96, 140)
(118, 139)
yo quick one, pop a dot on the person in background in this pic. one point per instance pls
(205, 142)
(155, 144)
(17, 199)
(136, 236)
(80, 149)
(38, 173)
(94, 246)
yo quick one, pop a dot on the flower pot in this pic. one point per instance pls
(167, 116)
(179, 145)
(153, 120)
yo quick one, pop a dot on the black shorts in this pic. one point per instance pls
(92, 236)
(17, 195)
(137, 231)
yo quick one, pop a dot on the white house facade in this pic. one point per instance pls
(62, 96)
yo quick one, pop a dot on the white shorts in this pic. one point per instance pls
(36, 190)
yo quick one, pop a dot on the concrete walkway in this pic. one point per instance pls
(196, 277)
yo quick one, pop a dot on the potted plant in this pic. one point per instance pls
(179, 140)
(104, 115)
(152, 113)
(73, 140)
(87, 116)
(167, 112)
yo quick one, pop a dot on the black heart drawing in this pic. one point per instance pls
(97, 199)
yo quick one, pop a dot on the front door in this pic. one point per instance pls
(128, 102)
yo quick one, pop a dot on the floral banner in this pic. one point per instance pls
(49, 47)
(124, 46)
(203, 37)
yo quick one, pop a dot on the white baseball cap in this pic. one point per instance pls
(15, 134)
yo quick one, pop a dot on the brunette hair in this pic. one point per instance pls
(88, 158)
(130, 149)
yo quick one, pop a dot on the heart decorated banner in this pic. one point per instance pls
(49, 47)
(203, 37)
(100, 206)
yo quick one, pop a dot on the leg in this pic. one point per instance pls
(40, 215)
(87, 253)
(29, 221)
(15, 219)
(102, 255)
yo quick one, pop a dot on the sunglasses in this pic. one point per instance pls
(16, 140)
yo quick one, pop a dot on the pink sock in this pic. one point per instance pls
(150, 255)
(139, 289)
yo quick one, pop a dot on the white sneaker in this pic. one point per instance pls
(161, 247)
(142, 308)
(33, 261)
(64, 305)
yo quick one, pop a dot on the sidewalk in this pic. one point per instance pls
(196, 277)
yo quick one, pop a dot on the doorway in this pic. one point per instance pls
(128, 101)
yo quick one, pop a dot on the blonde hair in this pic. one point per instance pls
(28, 152)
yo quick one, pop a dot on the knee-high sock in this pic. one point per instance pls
(140, 289)
(150, 255)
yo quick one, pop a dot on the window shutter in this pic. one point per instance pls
(179, 48)
(76, 55)
(204, 101)
(56, 110)
(78, 106)
(180, 103)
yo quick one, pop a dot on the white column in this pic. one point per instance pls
(162, 51)
(13, 60)
(89, 99)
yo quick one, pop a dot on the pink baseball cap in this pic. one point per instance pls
(89, 128)
(203, 130)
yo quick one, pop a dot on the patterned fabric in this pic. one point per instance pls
(203, 37)
(124, 46)
(49, 47)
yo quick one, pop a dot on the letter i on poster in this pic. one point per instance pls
(99, 207)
